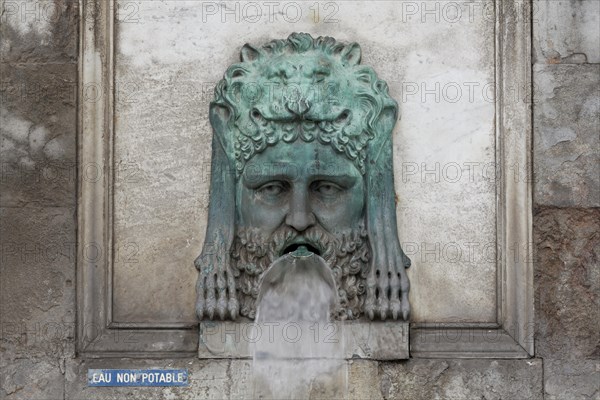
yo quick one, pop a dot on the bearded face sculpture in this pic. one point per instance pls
(302, 156)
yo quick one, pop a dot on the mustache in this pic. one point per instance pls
(316, 239)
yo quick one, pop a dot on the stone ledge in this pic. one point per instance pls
(365, 340)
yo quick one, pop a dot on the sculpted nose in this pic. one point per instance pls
(300, 215)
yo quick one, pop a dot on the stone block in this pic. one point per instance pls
(38, 31)
(38, 135)
(461, 379)
(31, 379)
(37, 285)
(363, 381)
(241, 379)
(566, 140)
(207, 380)
(566, 31)
(567, 283)
(572, 380)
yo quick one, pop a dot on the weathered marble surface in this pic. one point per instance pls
(566, 140)
(566, 31)
(166, 67)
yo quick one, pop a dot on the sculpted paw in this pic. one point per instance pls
(233, 307)
(215, 290)
(369, 306)
(405, 306)
(382, 305)
(395, 308)
(390, 300)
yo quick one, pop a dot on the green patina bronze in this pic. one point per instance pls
(302, 156)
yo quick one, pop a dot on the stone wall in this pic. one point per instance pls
(566, 221)
(38, 49)
(38, 125)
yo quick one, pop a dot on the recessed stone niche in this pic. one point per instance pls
(461, 166)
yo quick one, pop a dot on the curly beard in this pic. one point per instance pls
(346, 253)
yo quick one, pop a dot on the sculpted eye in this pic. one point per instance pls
(272, 188)
(325, 188)
(343, 117)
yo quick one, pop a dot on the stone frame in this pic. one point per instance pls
(510, 337)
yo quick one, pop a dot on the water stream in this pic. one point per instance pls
(298, 352)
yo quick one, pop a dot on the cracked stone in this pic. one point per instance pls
(566, 140)
(567, 281)
(462, 379)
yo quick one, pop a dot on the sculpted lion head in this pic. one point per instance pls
(315, 89)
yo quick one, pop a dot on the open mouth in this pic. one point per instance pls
(293, 247)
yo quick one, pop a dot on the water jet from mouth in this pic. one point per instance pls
(298, 352)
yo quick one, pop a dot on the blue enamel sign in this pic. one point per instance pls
(137, 377)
